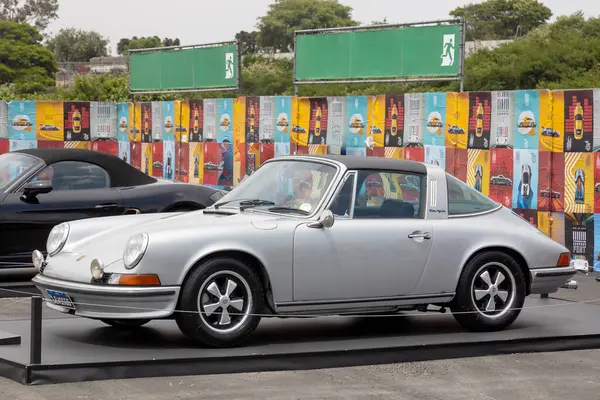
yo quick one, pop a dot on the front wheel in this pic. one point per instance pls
(220, 302)
(491, 292)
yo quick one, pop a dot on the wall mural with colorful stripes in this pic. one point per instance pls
(535, 151)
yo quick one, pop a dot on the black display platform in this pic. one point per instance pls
(76, 349)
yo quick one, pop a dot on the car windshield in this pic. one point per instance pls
(283, 186)
(13, 166)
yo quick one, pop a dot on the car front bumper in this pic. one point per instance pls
(110, 302)
(549, 280)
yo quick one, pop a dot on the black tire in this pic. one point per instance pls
(469, 312)
(201, 327)
(126, 323)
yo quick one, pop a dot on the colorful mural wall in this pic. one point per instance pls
(535, 151)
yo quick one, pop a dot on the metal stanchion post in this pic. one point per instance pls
(35, 354)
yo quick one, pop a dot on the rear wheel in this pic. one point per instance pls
(219, 303)
(126, 323)
(491, 292)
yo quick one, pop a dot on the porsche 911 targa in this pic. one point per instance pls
(307, 236)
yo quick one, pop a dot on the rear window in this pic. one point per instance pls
(463, 199)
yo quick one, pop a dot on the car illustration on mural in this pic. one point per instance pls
(435, 123)
(298, 129)
(527, 122)
(455, 129)
(357, 123)
(579, 186)
(578, 125)
(49, 128)
(549, 193)
(526, 181)
(479, 126)
(550, 132)
(264, 250)
(375, 130)
(21, 122)
(501, 180)
(478, 177)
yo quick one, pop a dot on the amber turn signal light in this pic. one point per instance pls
(139, 280)
(564, 260)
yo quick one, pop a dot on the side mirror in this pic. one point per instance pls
(326, 220)
(32, 189)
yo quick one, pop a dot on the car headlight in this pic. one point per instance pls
(57, 238)
(135, 249)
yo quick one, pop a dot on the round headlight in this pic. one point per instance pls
(38, 259)
(97, 269)
(135, 249)
(57, 238)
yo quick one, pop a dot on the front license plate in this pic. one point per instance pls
(60, 299)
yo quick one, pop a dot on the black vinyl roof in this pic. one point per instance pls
(374, 163)
(121, 173)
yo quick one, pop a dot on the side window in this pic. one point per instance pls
(463, 199)
(342, 203)
(388, 195)
(74, 175)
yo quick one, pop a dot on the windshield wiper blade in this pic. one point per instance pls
(288, 209)
(246, 202)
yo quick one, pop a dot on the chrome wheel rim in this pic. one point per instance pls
(493, 290)
(224, 301)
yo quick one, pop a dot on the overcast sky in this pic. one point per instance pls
(206, 21)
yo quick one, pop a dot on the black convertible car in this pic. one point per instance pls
(44, 187)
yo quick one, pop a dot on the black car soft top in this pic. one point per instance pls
(121, 173)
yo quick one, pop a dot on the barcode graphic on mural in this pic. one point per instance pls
(267, 107)
(336, 108)
(209, 109)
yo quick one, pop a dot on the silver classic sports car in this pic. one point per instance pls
(307, 236)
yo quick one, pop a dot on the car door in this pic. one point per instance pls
(79, 190)
(377, 248)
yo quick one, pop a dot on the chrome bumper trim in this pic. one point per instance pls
(549, 280)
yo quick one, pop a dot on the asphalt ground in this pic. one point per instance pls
(543, 376)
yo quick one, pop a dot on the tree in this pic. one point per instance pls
(38, 13)
(126, 44)
(276, 28)
(24, 62)
(76, 45)
(565, 54)
(248, 42)
(502, 19)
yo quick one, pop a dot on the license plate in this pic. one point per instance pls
(60, 299)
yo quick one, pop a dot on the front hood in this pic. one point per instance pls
(106, 237)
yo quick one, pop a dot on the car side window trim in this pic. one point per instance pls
(349, 175)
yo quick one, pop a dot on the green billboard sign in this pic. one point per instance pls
(379, 53)
(185, 68)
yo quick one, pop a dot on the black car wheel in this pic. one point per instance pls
(490, 293)
(219, 303)
(126, 323)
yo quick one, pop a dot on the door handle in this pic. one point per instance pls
(111, 205)
(420, 235)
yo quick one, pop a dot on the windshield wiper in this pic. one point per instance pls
(288, 209)
(245, 203)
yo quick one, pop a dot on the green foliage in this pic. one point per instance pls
(565, 54)
(126, 44)
(247, 41)
(77, 45)
(502, 19)
(24, 62)
(37, 13)
(276, 28)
